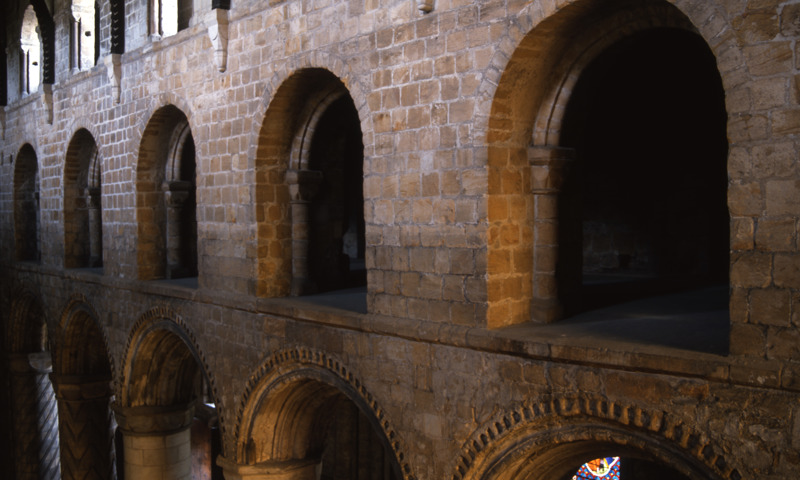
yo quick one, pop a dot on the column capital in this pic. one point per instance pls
(303, 184)
(147, 421)
(81, 387)
(549, 166)
(38, 362)
(270, 470)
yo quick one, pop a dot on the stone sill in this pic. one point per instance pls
(528, 341)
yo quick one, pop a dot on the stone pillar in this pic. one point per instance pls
(271, 470)
(156, 441)
(34, 417)
(87, 427)
(548, 170)
(94, 213)
(303, 185)
(176, 194)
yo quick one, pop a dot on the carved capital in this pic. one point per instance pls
(549, 168)
(303, 184)
(80, 388)
(92, 196)
(425, 6)
(153, 420)
(176, 193)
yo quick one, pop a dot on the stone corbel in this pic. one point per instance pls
(113, 63)
(218, 33)
(425, 6)
(47, 102)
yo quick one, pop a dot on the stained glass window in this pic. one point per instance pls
(600, 468)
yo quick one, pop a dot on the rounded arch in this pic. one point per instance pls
(527, 164)
(286, 182)
(284, 403)
(165, 205)
(82, 204)
(162, 360)
(27, 325)
(553, 436)
(82, 344)
(26, 205)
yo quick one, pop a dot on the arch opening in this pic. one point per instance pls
(305, 420)
(26, 205)
(166, 198)
(309, 176)
(83, 224)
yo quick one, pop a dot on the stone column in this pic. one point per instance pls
(176, 194)
(94, 213)
(86, 427)
(156, 441)
(548, 170)
(303, 185)
(34, 417)
(271, 470)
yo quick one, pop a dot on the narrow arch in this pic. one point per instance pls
(551, 437)
(530, 161)
(47, 31)
(26, 205)
(166, 202)
(34, 413)
(82, 374)
(83, 226)
(309, 188)
(285, 418)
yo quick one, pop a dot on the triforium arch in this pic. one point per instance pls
(27, 234)
(165, 197)
(83, 225)
(82, 377)
(299, 413)
(309, 188)
(33, 412)
(166, 408)
(551, 438)
(537, 148)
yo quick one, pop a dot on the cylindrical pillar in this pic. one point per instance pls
(548, 171)
(34, 417)
(86, 427)
(156, 442)
(303, 185)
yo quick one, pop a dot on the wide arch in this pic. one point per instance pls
(552, 436)
(283, 408)
(286, 180)
(526, 161)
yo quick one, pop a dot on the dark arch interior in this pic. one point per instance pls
(26, 205)
(336, 236)
(644, 207)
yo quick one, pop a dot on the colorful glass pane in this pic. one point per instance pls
(600, 468)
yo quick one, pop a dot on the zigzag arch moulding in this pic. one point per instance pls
(301, 362)
(78, 303)
(509, 435)
(164, 318)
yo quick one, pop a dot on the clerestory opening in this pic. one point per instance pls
(643, 208)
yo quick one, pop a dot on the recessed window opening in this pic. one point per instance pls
(181, 208)
(643, 210)
(31, 53)
(168, 17)
(26, 205)
(83, 224)
(336, 218)
(83, 33)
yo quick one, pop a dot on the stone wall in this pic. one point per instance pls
(460, 113)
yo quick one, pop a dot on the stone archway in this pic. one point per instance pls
(305, 416)
(82, 377)
(34, 413)
(552, 437)
(309, 188)
(533, 272)
(166, 398)
(83, 225)
(27, 218)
